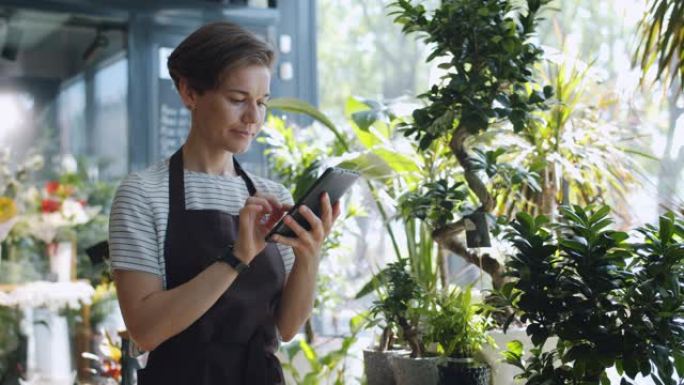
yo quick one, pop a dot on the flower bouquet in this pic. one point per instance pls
(58, 209)
(12, 209)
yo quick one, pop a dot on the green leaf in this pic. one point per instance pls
(357, 323)
(373, 284)
(311, 379)
(400, 163)
(526, 220)
(367, 138)
(515, 347)
(370, 165)
(679, 363)
(604, 379)
(602, 212)
(308, 352)
(666, 229)
(619, 236)
(631, 366)
(302, 107)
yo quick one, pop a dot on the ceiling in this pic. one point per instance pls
(55, 45)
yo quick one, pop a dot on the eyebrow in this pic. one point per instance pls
(245, 92)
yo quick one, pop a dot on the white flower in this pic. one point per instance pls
(35, 162)
(69, 164)
(74, 212)
(45, 226)
(52, 295)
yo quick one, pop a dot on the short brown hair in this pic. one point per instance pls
(204, 56)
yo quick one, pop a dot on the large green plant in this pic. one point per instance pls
(296, 162)
(655, 298)
(572, 153)
(572, 281)
(488, 81)
(393, 170)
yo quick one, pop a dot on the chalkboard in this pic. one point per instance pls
(174, 119)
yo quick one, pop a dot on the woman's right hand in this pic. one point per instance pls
(253, 227)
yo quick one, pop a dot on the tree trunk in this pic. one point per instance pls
(309, 332)
(457, 146)
(449, 240)
(385, 339)
(547, 204)
(443, 264)
(448, 236)
(412, 338)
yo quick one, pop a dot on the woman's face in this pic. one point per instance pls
(231, 116)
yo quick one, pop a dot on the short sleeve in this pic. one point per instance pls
(132, 234)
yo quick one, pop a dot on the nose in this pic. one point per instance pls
(251, 114)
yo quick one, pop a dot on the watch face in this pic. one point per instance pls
(241, 267)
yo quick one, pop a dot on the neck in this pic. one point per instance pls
(201, 157)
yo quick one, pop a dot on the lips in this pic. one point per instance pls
(245, 134)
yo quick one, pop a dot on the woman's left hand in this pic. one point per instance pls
(307, 245)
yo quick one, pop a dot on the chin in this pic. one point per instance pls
(237, 149)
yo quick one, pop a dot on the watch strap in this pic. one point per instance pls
(228, 257)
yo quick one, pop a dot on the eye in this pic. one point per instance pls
(237, 101)
(263, 103)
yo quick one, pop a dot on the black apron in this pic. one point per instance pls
(234, 342)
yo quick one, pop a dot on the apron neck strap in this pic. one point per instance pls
(177, 180)
(248, 181)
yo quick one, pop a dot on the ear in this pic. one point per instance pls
(187, 94)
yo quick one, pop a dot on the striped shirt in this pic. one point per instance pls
(137, 223)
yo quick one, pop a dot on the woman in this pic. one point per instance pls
(199, 287)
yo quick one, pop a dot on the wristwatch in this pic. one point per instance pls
(230, 258)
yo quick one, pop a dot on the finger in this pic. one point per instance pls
(254, 200)
(270, 198)
(326, 212)
(276, 216)
(314, 221)
(295, 243)
(299, 231)
(336, 210)
(249, 213)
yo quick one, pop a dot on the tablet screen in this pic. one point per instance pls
(335, 181)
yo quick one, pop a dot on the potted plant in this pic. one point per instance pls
(487, 81)
(390, 169)
(608, 302)
(397, 309)
(457, 327)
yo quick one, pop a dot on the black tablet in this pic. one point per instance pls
(335, 181)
